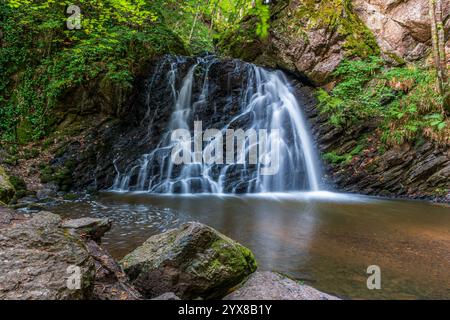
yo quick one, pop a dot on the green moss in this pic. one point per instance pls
(71, 196)
(61, 175)
(19, 185)
(6, 188)
(235, 256)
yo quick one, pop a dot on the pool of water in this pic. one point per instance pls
(324, 239)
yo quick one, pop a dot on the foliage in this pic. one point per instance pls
(404, 98)
(335, 158)
(41, 59)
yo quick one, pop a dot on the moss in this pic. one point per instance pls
(61, 175)
(6, 188)
(71, 196)
(19, 185)
(237, 257)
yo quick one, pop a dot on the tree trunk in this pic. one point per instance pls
(438, 40)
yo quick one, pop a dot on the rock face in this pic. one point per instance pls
(420, 171)
(118, 146)
(314, 45)
(192, 261)
(35, 260)
(6, 188)
(313, 52)
(400, 27)
(273, 286)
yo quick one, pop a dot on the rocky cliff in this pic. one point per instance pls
(311, 39)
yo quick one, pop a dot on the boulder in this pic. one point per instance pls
(192, 261)
(38, 260)
(89, 227)
(6, 188)
(273, 286)
(400, 27)
(111, 282)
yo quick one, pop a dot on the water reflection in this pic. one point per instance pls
(326, 239)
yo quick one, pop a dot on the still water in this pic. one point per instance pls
(324, 239)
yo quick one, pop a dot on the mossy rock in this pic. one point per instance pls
(194, 261)
(19, 185)
(7, 190)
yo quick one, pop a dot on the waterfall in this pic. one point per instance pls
(265, 100)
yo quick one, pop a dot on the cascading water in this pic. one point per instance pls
(264, 101)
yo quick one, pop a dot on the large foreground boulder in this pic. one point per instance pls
(192, 261)
(273, 286)
(40, 258)
(37, 259)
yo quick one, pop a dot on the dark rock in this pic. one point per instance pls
(111, 282)
(192, 261)
(89, 227)
(44, 194)
(273, 286)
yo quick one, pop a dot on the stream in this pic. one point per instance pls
(324, 239)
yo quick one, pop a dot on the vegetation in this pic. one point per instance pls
(405, 98)
(338, 15)
(47, 49)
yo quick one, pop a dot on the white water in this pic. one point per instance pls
(267, 101)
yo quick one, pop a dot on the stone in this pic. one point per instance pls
(37, 257)
(44, 194)
(167, 296)
(90, 227)
(193, 261)
(273, 286)
(9, 216)
(401, 28)
(111, 282)
(6, 188)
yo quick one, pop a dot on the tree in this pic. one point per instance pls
(440, 61)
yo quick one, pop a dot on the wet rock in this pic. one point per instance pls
(167, 296)
(36, 258)
(273, 286)
(6, 188)
(9, 216)
(90, 227)
(192, 261)
(44, 194)
(111, 282)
